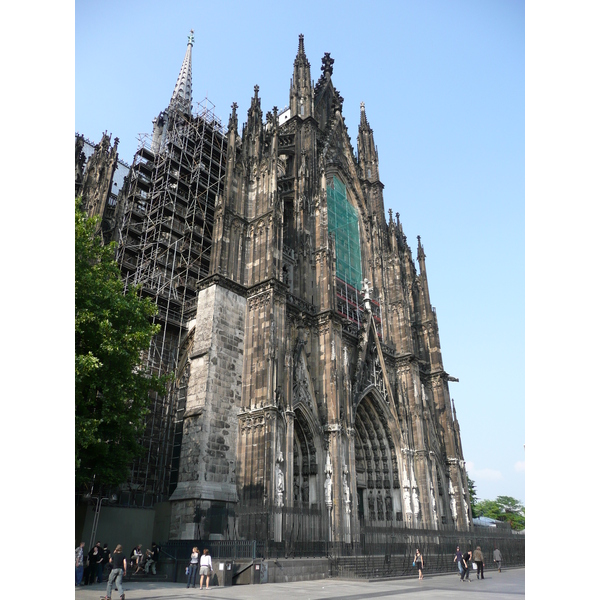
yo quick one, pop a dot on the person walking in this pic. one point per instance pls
(478, 560)
(498, 559)
(419, 563)
(205, 568)
(79, 563)
(466, 559)
(119, 568)
(458, 559)
(193, 567)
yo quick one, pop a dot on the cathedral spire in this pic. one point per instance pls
(368, 157)
(301, 56)
(301, 91)
(423, 275)
(182, 94)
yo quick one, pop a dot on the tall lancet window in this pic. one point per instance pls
(343, 224)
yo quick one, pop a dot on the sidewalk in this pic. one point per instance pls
(508, 585)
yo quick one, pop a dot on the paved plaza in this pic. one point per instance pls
(508, 585)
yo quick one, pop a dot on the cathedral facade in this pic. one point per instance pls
(313, 389)
(309, 399)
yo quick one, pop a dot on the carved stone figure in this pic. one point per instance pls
(328, 490)
(280, 488)
(452, 501)
(415, 499)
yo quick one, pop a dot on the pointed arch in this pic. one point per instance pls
(308, 445)
(377, 451)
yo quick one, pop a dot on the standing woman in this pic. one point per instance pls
(193, 568)
(419, 563)
(119, 564)
(205, 568)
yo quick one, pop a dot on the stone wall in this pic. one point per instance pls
(208, 448)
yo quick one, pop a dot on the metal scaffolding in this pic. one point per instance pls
(164, 247)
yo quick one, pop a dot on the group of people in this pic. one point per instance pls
(463, 561)
(144, 562)
(90, 569)
(476, 557)
(205, 564)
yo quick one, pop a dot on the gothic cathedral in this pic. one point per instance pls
(315, 397)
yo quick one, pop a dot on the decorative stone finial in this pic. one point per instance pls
(327, 66)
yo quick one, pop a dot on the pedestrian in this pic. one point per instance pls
(419, 563)
(193, 567)
(466, 558)
(458, 559)
(119, 568)
(478, 560)
(498, 559)
(205, 568)
(79, 563)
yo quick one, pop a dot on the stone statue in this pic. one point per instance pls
(452, 501)
(433, 502)
(371, 508)
(379, 508)
(328, 490)
(415, 498)
(328, 482)
(279, 480)
(346, 489)
(279, 488)
(388, 508)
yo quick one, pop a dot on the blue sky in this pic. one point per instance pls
(444, 88)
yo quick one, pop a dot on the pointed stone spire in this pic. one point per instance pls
(423, 275)
(182, 94)
(368, 157)
(301, 91)
(255, 112)
(301, 56)
(233, 118)
(420, 253)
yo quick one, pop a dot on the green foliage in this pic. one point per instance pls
(473, 496)
(503, 508)
(112, 330)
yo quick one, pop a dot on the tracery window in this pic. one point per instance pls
(343, 224)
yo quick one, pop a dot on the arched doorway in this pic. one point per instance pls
(377, 463)
(305, 463)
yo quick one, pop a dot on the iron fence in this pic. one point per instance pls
(378, 551)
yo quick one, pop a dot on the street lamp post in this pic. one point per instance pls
(99, 500)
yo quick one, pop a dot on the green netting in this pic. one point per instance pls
(343, 224)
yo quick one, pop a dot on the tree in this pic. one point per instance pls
(504, 508)
(472, 496)
(513, 511)
(112, 330)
